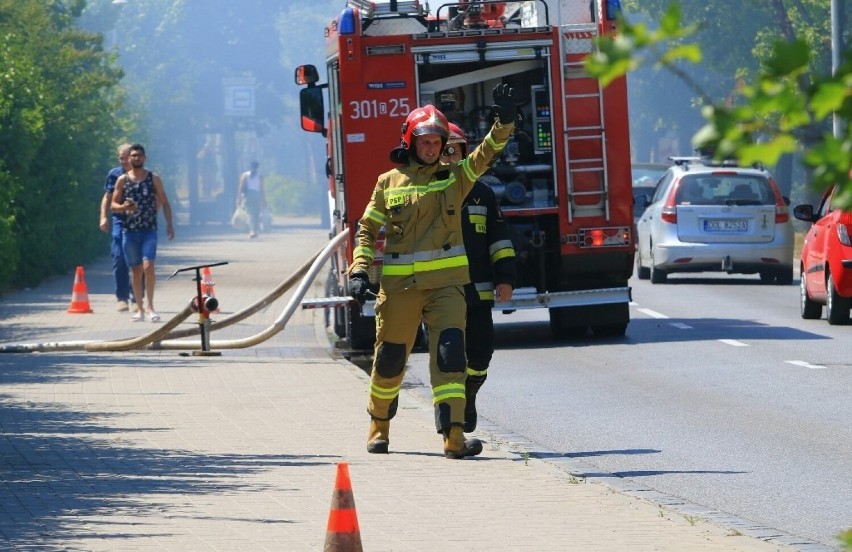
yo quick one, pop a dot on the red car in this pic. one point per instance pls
(826, 261)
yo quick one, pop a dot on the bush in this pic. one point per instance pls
(57, 130)
(293, 197)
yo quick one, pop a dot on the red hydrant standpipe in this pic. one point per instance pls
(203, 305)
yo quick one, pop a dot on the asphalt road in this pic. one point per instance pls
(720, 394)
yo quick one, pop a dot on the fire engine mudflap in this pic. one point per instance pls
(563, 180)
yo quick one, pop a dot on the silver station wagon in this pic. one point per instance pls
(706, 217)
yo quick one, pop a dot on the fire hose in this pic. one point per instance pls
(155, 340)
(285, 315)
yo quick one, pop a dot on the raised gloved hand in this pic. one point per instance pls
(504, 103)
(359, 287)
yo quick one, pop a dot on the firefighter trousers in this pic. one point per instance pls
(479, 343)
(398, 316)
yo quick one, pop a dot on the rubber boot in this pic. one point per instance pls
(470, 409)
(471, 388)
(456, 446)
(378, 440)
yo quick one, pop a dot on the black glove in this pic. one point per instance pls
(504, 103)
(359, 287)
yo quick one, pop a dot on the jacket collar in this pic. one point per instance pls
(416, 168)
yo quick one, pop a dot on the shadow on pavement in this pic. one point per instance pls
(72, 467)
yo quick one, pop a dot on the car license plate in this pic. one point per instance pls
(724, 225)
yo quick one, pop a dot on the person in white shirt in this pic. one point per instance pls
(250, 192)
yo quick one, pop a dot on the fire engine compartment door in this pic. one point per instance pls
(470, 52)
(430, 88)
(500, 59)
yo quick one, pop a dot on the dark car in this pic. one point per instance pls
(645, 177)
(826, 261)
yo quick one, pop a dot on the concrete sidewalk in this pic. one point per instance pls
(154, 450)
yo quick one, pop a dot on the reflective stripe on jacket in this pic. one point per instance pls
(490, 253)
(420, 208)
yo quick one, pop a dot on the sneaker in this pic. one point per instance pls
(252, 235)
(121, 306)
(137, 317)
(134, 307)
(153, 316)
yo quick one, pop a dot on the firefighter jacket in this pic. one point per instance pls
(489, 248)
(420, 208)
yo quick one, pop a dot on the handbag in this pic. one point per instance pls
(240, 218)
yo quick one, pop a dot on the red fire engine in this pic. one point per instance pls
(564, 178)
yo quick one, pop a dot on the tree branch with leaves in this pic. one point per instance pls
(772, 115)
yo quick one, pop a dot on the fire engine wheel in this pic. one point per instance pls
(642, 272)
(362, 329)
(837, 307)
(338, 315)
(610, 330)
(561, 324)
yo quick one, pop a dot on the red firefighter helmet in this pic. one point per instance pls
(421, 121)
(458, 138)
(424, 120)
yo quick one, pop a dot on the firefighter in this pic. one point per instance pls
(425, 268)
(491, 259)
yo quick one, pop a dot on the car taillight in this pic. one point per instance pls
(669, 212)
(844, 221)
(782, 214)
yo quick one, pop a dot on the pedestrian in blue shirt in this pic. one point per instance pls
(120, 270)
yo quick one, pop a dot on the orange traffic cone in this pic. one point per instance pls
(207, 284)
(342, 534)
(79, 295)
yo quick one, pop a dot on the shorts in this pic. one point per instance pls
(140, 245)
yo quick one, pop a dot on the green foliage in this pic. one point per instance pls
(637, 45)
(772, 116)
(777, 118)
(735, 38)
(56, 130)
(845, 539)
(286, 195)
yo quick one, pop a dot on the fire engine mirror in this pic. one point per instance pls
(312, 109)
(306, 74)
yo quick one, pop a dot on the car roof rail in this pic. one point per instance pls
(733, 163)
(684, 161)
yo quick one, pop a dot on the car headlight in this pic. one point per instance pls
(843, 234)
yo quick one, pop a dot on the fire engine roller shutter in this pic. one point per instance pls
(494, 51)
(526, 56)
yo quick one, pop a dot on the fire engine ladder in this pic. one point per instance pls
(372, 8)
(583, 126)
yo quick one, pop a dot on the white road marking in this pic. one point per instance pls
(804, 364)
(733, 342)
(652, 314)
